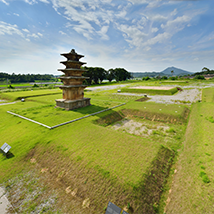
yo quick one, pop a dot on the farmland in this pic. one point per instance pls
(100, 159)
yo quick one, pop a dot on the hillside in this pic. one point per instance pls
(166, 72)
(176, 71)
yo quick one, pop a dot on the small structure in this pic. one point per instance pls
(5, 148)
(73, 88)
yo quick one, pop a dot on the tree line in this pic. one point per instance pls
(22, 78)
(204, 71)
(97, 75)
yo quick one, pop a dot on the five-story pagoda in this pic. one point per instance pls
(73, 88)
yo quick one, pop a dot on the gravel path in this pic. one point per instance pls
(185, 96)
(4, 203)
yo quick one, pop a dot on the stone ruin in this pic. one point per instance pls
(73, 88)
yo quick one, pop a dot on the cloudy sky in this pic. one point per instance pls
(138, 35)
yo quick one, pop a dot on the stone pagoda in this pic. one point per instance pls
(73, 88)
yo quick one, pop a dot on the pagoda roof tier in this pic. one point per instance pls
(69, 61)
(71, 86)
(72, 55)
(73, 77)
(71, 69)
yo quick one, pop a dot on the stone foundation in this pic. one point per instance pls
(72, 104)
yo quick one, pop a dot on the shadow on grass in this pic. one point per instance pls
(8, 155)
(89, 109)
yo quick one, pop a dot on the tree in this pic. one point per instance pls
(199, 77)
(110, 75)
(172, 72)
(164, 77)
(205, 70)
(146, 78)
(121, 74)
(100, 73)
(96, 74)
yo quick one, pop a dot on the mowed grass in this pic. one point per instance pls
(17, 95)
(99, 153)
(114, 156)
(150, 91)
(42, 108)
(193, 187)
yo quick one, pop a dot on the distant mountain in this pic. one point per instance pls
(144, 74)
(176, 71)
(166, 72)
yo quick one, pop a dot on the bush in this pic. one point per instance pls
(35, 86)
(199, 77)
(11, 87)
(146, 78)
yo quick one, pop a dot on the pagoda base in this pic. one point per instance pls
(72, 104)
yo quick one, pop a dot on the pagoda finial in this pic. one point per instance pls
(73, 51)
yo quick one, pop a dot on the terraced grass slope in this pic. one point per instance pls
(84, 162)
(150, 91)
(193, 186)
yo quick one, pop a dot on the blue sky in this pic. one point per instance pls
(138, 35)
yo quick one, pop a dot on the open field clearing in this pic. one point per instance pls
(122, 155)
(153, 87)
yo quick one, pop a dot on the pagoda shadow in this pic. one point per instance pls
(90, 109)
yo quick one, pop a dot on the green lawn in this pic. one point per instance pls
(150, 91)
(114, 165)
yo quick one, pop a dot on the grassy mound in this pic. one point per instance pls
(110, 118)
(150, 91)
(149, 111)
(156, 116)
(149, 191)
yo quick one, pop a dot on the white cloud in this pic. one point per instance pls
(26, 30)
(157, 17)
(158, 39)
(103, 32)
(154, 30)
(176, 23)
(31, 2)
(174, 12)
(132, 34)
(6, 28)
(44, 1)
(147, 48)
(34, 35)
(61, 32)
(4, 2)
(15, 14)
(39, 34)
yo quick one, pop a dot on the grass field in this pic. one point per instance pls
(89, 161)
(150, 91)
(193, 187)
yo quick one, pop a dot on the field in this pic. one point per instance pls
(193, 187)
(124, 155)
